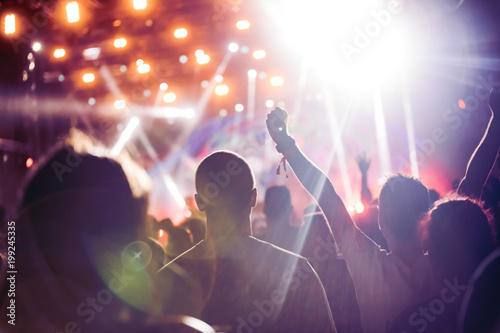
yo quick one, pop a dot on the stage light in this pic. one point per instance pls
(29, 162)
(73, 12)
(204, 84)
(252, 73)
(221, 90)
(125, 136)
(59, 53)
(143, 68)
(60, 78)
(269, 103)
(360, 208)
(239, 107)
(163, 86)
(223, 113)
(140, 4)
(204, 59)
(245, 49)
(218, 78)
(37, 46)
(351, 209)
(88, 77)
(169, 97)
(117, 23)
(120, 42)
(91, 101)
(120, 104)
(277, 81)
(10, 24)
(123, 68)
(92, 53)
(259, 54)
(242, 24)
(180, 33)
(147, 93)
(233, 47)
(149, 23)
(139, 62)
(461, 104)
(183, 59)
(199, 53)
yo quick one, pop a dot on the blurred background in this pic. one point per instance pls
(169, 81)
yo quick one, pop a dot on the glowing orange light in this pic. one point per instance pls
(88, 77)
(180, 33)
(259, 54)
(169, 97)
(360, 208)
(221, 90)
(140, 4)
(59, 53)
(277, 81)
(73, 12)
(29, 162)
(242, 25)
(203, 59)
(461, 104)
(10, 24)
(120, 42)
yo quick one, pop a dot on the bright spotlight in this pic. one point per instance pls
(219, 78)
(59, 53)
(351, 209)
(140, 4)
(180, 33)
(120, 104)
(277, 81)
(199, 53)
(221, 90)
(183, 59)
(223, 113)
(143, 68)
(73, 12)
(10, 24)
(259, 54)
(233, 47)
(242, 25)
(269, 103)
(91, 101)
(252, 73)
(139, 62)
(204, 59)
(169, 97)
(29, 162)
(37, 46)
(88, 77)
(239, 107)
(120, 42)
(163, 86)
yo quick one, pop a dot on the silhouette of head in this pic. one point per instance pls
(277, 203)
(224, 183)
(403, 201)
(458, 236)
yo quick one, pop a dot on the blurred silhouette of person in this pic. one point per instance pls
(278, 210)
(332, 270)
(458, 237)
(179, 241)
(386, 283)
(232, 278)
(80, 213)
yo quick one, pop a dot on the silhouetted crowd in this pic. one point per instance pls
(88, 257)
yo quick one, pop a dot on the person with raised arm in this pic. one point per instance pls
(385, 282)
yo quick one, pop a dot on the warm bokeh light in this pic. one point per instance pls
(219, 78)
(252, 73)
(140, 4)
(169, 97)
(277, 81)
(163, 86)
(143, 68)
(233, 47)
(243, 24)
(120, 42)
(204, 59)
(461, 104)
(29, 162)
(269, 103)
(92, 53)
(59, 53)
(360, 208)
(259, 54)
(139, 62)
(183, 59)
(120, 104)
(180, 33)
(37, 46)
(88, 77)
(73, 12)
(239, 107)
(10, 24)
(351, 209)
(199, 53)
(221, 90)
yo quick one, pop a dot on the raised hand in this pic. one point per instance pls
(363, 163)
(277, 125)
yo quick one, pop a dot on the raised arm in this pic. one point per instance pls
(312, 178)
(483, 158)
(363, 165)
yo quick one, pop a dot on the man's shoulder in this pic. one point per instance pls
(196, 253)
